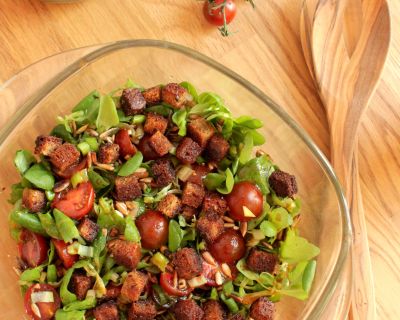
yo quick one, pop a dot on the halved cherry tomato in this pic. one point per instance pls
(32, 248)
(67, 259)
(125, 144)
(209, 271)
(166, 282)
(146, 150)
(70, 171)
(47, 310)
(213, 11)
(76, 203)
(153, 229)
(244, 194)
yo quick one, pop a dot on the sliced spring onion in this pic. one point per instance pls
(79, 177)
(84, 148)
(42, 296)
(160, 261)
(184, 173)
(197, 281)
(83, 251)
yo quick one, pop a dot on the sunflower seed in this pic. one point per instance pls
(82, 129)
(175, 280)
(226, 270)
(108, 133)
(121, 207)
(227, 219)
(141, 173)
(105, 166)
(219, 280)
(61, 185)
(243, 228)
(92, 132)
(89, 160)
(209, 258)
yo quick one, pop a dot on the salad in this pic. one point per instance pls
(152, 204)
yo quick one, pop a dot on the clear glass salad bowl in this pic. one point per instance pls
(33, 98)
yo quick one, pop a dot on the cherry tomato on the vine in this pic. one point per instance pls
(213, 11)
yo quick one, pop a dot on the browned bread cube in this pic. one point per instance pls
(163, 172)
(160, 144)
(213, 310)
(47, 144)
(262, 309)
(210, 226)
(125, 253)
(152, 95)
(170, 205)
(113, 291)
(127, 188)
(108, 153)
(81, 284)
(187, 309)
(187, 263)
(261, 261)
(217, 148)
(200, 130)
(106, 311)
(142, 310)
(214, 203)
(174, 95)
(200, 171)
(188, 151)
(132, 101)
(192, 195)
(284, 184)
(155, 122)
(33, 200)
(133, 286)
(188, 213)
(88, 229)
(64, 156)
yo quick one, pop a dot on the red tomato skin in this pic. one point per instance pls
(75, 203)
(166, 282)
(67, 259)
(126, 146)
(32, 248)
(244, 194)
(215, 16)
(146, 150)
(229, 247)
(47, 309)
(153, 229)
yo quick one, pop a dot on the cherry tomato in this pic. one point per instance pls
(47, 310)
(67, 259)
(32, 248)
(126, 146)
(229, 247)
(209, 271)
(70, 171)
(76, 203)
(146, 150)
(213, 12)
(153, 229)
(244, 194)
(166, 282)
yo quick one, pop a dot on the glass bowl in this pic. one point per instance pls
(54, 85)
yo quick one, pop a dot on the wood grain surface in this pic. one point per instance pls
(267, 42)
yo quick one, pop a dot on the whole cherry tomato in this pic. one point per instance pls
(229, 247)
(214, 11)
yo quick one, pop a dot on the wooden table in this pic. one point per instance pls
(266, 42)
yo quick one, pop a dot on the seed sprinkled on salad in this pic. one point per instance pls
(155, 204)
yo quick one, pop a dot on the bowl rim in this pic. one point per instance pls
(100, 50)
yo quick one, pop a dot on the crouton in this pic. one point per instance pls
(200, 130)
(188, 151)
(262, 309)
(155, 122)
(146, 150)
(261, 261)
(213, 310)
(217, 148)
(132, 101)
(152, 95)
(236, 316)
(127, 188)
(88, 229)
(106, 311)
(192, 195)
(214, 203)
(142, 310)
(160, 144)
(163, 172)
(187, 263)
(284, 184)
(210, 226)
(112, 292)
(81, 284)
(199, 172)
(133, 286)
(187, 309)
(170, 205)
(47, 144)
(125, 253)
(188, 213)
(174, 95)
(33, 200)
(64, 156)
(108, 153)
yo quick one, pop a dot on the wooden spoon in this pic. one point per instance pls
(349, 42)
